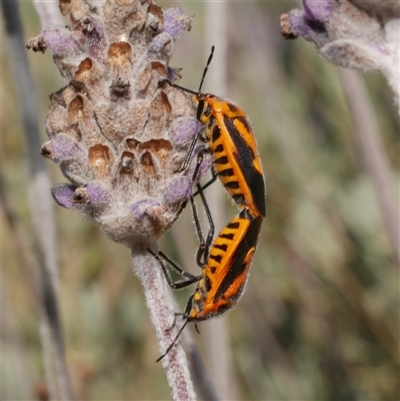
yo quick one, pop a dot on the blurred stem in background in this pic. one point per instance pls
(43, 227)
(49, 12)
(353, 35)
(204, 385)
(375, 160)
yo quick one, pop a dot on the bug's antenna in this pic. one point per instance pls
(206, 67)
(173, 342)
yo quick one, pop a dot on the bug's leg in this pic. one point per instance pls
(189, 278)
(210, 234)
(182, 272)
(185, 315)
(174, 322)
(200, 158)
(178, 213)
(196, 170)
(186, 162)
(202, 246)
(208, 183)
(173, 342)
(188, 308)
(203, 250)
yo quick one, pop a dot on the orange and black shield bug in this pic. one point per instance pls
(225, 267)
(231, 142)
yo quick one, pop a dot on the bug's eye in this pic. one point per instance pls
(207, 111)
(204, 111)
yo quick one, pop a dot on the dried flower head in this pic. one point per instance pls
(118, 133)
(357, 34)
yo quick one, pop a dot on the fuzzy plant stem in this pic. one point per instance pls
(373, 154)
(41, 208)
(389, 13)
(161, 308)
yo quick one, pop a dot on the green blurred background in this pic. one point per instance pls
(320, 316)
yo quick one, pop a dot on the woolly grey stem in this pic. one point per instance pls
(373, 153)
(161, 308)
(388, 12)
(392, 70)
(41, 210)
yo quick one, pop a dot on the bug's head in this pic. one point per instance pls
(204, 107)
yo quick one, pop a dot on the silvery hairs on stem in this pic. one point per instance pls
(119, 133)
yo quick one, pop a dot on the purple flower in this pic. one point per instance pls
(318, 10)
(175, 21)
(184, 130)
(97, 194)
(179, 190)
(204, 166)
(160, 43)
(60, 41)
(348, 35)
(65, 148)
(145, 207)
(63, 195)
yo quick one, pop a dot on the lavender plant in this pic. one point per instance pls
(120, 134)
(363, 35)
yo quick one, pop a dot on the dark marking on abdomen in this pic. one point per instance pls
(229, 236)
(234, 225)
(207, 283)
(226, 173)
(232, 185)
(217, 258)
(223, 247)
(221, 160)
(219, 148)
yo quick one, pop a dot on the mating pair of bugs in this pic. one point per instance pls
(225, 262)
